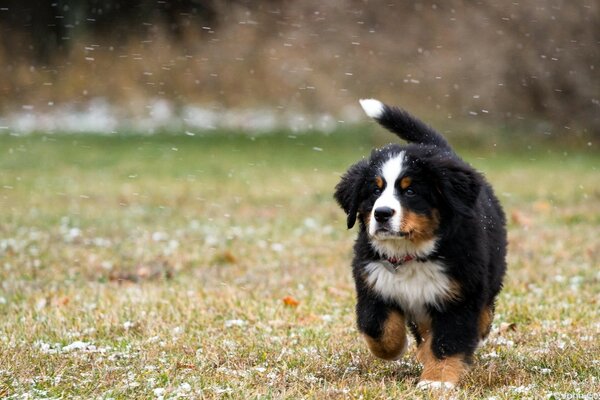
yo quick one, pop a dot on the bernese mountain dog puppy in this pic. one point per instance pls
(430, 252)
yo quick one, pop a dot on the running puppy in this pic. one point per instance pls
(430, 252)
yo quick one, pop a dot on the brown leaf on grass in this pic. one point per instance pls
(151, 270)
(123, 277)
(542, 206)
(290, 301)
(225, 257)
(519, 218)
(181, 365)
(143, 272)
(507, 326)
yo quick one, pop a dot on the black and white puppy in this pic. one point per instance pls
(430, 253)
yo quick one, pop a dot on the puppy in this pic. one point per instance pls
(431, 248)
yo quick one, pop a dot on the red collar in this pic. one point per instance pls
(393, 264)
(399, 261)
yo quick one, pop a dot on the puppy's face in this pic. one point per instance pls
(402, 205)
(401, 193)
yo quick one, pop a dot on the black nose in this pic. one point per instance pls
(382, 214)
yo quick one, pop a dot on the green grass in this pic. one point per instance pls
(170, 256)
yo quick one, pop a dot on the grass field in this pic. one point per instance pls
(218, 266)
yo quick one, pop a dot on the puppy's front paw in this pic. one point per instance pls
(435, 385)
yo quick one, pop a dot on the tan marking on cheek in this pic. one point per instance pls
(420, 227)
(485, 322)
(405, 182)
(379, 182)
(450, 369)
(366, 216)
(392, 343)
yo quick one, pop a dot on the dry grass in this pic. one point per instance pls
(139, 267)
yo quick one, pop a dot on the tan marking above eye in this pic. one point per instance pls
(379, 182)
(405, 182)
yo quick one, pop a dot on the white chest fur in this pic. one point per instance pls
(413, 287)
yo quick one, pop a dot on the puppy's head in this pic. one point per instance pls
(405, 193)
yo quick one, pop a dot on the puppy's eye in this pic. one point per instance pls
(377, 191)
(409, 192)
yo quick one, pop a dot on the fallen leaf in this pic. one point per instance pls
(181, 365)
(290, 301)
(520, 218)
(542, 206)
(507, 326)
(226, 257)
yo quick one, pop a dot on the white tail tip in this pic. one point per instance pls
(373, 108)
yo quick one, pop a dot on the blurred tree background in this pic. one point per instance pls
(533, 62)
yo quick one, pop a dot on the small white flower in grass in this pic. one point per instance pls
(311, 223)
(40, 304)
(277, 247)
(184, 387)
(522, 389)
(177, 331)
(159, 392)
(235, 322)
(492, 354)
(272, 376)
(44, 347)
(128, 325)
(222, 390)
(72, 234)
(2, 300)
(107, 265)
(78, 345)
(159, 236)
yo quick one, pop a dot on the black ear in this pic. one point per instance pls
(458, 183)
(348, 192)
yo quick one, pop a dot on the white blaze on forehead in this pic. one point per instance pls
(390, 172)
(373, 108)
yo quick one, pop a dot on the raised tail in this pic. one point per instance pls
(402, 123)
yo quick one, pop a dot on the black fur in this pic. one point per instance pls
(471, 235)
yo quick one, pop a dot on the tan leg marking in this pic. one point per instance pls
(392, 343)
(437, 372)
(485, 322)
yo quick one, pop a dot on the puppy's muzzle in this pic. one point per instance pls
(383, 214)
